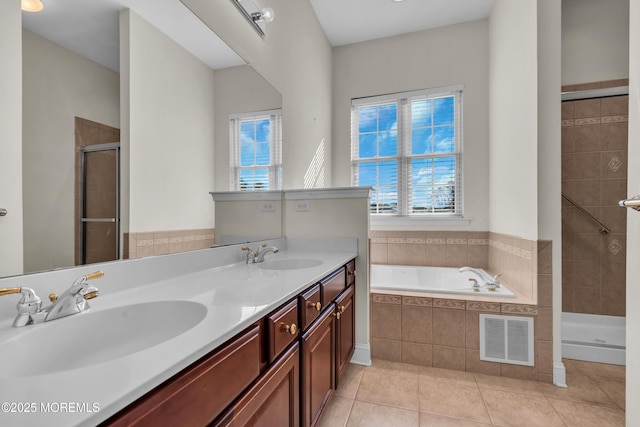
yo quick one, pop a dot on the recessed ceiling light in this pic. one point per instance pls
(32, 5)
(397, 1)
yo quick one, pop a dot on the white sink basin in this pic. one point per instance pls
(289, 264)
(89, 338)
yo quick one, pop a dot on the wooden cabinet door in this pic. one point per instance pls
(200, 393)
(318, 366)
(274, 400)
(345, 330)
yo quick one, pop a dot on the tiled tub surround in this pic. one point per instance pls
(443, 331)
(139, 245)
(594, 174)
(513, 257)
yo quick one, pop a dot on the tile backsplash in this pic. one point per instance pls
(139, 245)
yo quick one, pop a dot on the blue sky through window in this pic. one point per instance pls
(430, 173)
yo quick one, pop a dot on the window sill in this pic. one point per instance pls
(415, 222)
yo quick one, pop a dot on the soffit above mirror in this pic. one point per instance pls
(90, 28)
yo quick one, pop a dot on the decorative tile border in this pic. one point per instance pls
(424, 302)
(531, 310)
(615, 119)
(386, 299)
(449, 303)
(493, 307)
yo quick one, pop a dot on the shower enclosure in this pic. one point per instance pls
(100, 207)
(594, 179)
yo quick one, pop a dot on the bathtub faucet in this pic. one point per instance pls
(490, 282)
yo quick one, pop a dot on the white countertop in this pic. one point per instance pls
(235, 295)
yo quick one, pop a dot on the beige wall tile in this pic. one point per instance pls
(417, 353)
(386, 349)
(449, 327)
(386, 321)
(519, 372)
(446, 357)
(416, 324)
(474, 364)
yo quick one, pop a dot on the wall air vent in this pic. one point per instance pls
(506, 339)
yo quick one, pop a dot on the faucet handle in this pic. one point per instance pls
(29, 303)
(95, 275)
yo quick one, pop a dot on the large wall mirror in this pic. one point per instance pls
(71, 71)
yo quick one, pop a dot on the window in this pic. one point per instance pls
(408, 147)
(256, 151)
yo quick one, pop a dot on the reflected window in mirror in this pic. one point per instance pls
(256, 151)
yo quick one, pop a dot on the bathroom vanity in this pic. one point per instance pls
(190, 339)
(254, 378)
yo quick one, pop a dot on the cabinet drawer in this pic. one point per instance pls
(196, 396)
(351, 273)
(332, 286)
(310, 306)
(282, 326)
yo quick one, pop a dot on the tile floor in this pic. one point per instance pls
(398, 395)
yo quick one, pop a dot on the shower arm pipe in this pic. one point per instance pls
(603, 228)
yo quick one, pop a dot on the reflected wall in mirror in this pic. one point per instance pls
(162, 97)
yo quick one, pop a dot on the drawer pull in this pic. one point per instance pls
(291, 329)
(352, 273)
(341, 308)
(337, 315)
(316, 305)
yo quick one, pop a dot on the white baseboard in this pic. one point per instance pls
(362, 355)
(559, 375)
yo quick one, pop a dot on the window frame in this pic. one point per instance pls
(274, 168)
(404, 155)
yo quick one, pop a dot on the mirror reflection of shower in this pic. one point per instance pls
(100, 203)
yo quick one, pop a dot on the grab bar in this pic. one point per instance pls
(603, 228)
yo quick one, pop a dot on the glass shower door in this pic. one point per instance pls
(100, 235)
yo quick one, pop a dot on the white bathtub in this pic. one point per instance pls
(594, 338)
(429, 279)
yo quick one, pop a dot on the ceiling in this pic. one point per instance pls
(90, 27)
(352, 21)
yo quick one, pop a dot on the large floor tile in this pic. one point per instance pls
(395, 367)
(581, 389)
(336, 413)
(584, 415)
(455, 400)
(512, 384)
(512, 409)
(389, 389)
(350, 381)
(364, 414)
(448, 375)
(433, 420)
(617, 372)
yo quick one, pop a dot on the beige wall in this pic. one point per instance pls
(456, 54)
(595, 40)
(11, 258)
(167, 131)
(513, 118)
(295, 57)
(238, 90)
(58, 86)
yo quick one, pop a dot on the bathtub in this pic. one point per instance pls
(594, 338)
(442, 280)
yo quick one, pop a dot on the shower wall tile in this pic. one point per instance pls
(593, 274)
